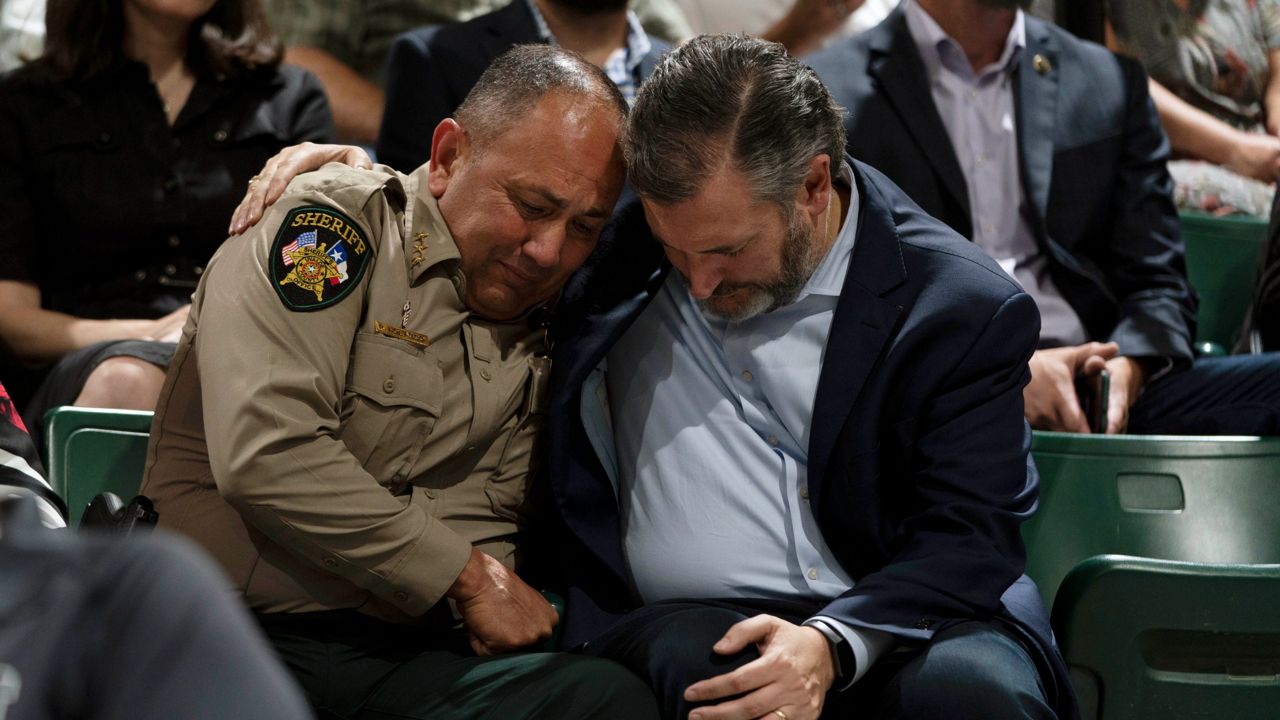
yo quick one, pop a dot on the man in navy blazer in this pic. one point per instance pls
(1047, 152)
(431, 69)
(789, 477)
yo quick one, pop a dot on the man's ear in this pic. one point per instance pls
(815, 191)
(449, 147)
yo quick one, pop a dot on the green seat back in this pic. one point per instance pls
(1222, 260)
(1169, 640)
(1178, 498)
(92, 451)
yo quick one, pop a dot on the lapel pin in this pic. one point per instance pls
(1041, 64)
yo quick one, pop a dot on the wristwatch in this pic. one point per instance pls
(846, 664)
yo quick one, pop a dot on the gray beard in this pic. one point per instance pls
(798, 264)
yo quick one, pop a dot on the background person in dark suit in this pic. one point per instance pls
(799, 462)
(1047, 152)
(431, 69)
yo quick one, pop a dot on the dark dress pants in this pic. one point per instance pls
(976, 670)
(1236, 395)
(353, 666)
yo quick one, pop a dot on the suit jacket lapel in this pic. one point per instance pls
(511, 25)
(895, 63)
(863, 321)
(586, 497)
(1036, 100)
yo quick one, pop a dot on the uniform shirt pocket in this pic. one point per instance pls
(508, 486)
(393, 400)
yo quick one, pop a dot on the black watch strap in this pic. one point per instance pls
(841, 652)
(848, 662)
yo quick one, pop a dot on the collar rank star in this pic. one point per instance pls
(317, 259)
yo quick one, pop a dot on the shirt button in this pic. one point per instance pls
(199, 270)
(389, 385)
(174, 241)
(772, 440)
(988, 228)
(330, 561)
(221, 135)
(170, 269)
(746, 375)
(804, 492)
(813, 573)
(140, 275)
(485, 374)
(402, 596)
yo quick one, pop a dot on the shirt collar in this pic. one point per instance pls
(638, 44)
(428, 242)
(939, 50)
(828, 277)
(544, 31)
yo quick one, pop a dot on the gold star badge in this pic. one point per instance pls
(419, 247)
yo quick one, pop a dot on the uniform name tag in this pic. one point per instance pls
(400, 333)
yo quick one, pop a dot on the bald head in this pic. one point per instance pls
(518, 79)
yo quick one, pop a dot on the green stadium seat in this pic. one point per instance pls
(1167, 640)
(93, 450)
(1198, 499)
(1222, 261)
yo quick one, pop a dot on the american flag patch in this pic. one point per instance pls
(306, 239)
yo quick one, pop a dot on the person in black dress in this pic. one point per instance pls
(123, 151)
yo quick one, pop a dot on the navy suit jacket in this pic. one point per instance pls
(918, 456)
(431, 69)
(1092, 159)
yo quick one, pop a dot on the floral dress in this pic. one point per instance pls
(1214, 55)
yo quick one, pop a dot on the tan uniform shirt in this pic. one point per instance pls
(346, 452)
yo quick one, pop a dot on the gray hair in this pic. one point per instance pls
(517, 79)
(731, 97)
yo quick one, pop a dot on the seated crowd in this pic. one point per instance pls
(736, 354)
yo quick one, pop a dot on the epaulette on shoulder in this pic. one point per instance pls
(349, 187)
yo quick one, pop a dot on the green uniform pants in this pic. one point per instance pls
(352, 666)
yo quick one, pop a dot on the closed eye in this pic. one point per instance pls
(584, 228)
(529, 210)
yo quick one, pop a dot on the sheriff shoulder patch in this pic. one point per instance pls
(317, 259)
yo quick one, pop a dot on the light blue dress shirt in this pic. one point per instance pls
(977, 110)
(711, 421)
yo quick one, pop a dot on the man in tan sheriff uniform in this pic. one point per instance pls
(349, 422)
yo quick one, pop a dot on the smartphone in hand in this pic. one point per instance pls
(1093, 391)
